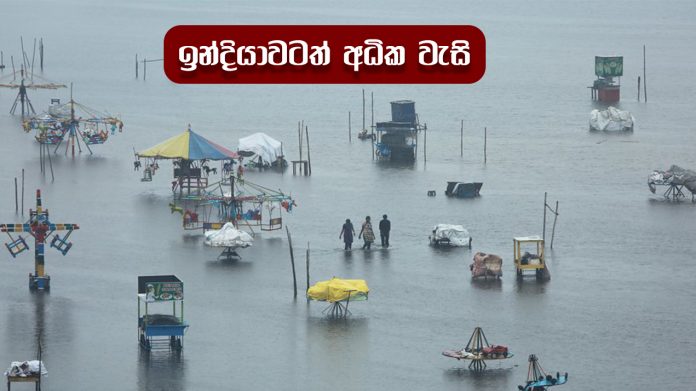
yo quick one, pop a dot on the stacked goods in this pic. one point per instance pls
(494, 351)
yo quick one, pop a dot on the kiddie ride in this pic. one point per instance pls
(157, 330)
(538, 380)
(478, 350)
(41, 228)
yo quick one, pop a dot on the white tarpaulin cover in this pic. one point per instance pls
(26, 368)
(674, 175)
(262, 145)
(457, 234)
(611, 119)
(228, 236)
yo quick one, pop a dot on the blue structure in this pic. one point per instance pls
(538, 380)
(157, 330)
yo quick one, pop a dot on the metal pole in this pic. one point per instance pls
(309, 158)
(41, 53)
(638, 88)
(144, 68)
(425, 144)
(372, 120)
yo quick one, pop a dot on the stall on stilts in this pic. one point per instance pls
(161, 330)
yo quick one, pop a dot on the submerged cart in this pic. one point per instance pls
(530, 262)
(161, 330)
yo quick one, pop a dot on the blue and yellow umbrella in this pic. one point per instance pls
(190, 146)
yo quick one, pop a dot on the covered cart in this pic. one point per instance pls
(161, 329)
(230, 238)
(339, 293)
(450, 235)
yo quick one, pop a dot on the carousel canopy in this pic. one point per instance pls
(338, 289)
(188, 145)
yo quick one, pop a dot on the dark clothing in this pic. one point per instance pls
(384, 228)
(347, 233)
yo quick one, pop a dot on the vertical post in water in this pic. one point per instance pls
(638, 88)
(16, 202)
(307, 266)
(645, 80)
(22, 192)
(349, 140)
(41, 52)
(299, 137)
(144, 68)
(33, 57)
(309, 158)
(292, 261)
(425, 144)
(136, 65)
(544, 228)
(461, 140)
(372, 117)
(363, 125)
(485, 145)
(553, 230)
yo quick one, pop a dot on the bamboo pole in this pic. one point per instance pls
(41, 53)
(292, 261)
(372, 117)
(33, 57)
(309, 158)
(645, 79)
(553, 230)
(299, 139)
(144, 68)
(16, 202)
(638, 88)
(425, 144)
(363, 102)
(136, 65)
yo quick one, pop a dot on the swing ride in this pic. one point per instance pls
(208, 206)
(21, 81)
(478, 350)
(538, 380)
(338, 291)
(41, 228)
(74, 123)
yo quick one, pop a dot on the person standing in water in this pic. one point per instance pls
(367, 234)
(384, 228)
(347, 232)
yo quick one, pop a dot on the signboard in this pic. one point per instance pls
(608, 66)
(164, 291)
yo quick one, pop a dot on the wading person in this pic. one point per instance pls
(367, 234)
(347, 232)
(384, 228)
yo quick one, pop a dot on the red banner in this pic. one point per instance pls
(317, 54)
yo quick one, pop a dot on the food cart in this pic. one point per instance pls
(158, 330)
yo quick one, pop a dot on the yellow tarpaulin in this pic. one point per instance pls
(338, 289)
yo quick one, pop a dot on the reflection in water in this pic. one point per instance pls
(530, 286)
(494, 284)
(337, 346)
(496, 377)
(161, 370)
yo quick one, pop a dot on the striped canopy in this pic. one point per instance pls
(188, 145)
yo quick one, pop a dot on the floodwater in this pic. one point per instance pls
(617, 314)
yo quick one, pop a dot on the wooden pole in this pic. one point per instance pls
(372, 117)
(299, 137)
(22, 192)
(645, 80)
(485, 145)
(309, 158)
(16, 202)
(33, 57)
(425, 144)
(292, 261)
(307, 266)
(461, 140)
(544, 229)
(136, 65)
(363, 96)
(638, 88)
(553, 230)
(144, 68)
(349, 140)
(41, 53)
(14, 72)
